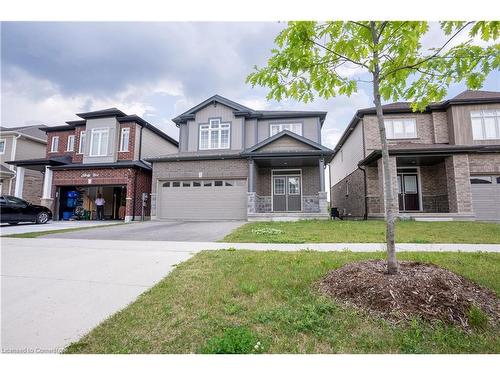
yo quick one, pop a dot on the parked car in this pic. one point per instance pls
(14, 210)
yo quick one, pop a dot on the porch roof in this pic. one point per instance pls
(41, 163)
(422, 150)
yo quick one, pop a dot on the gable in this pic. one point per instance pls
(285, 143)
(214, 111)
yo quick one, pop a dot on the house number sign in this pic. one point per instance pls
(83, 175)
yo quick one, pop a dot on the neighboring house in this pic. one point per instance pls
(21, 143)
(445, 161)
(103, 153)
(236, 163)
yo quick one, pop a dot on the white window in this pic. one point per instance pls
(124, 139)
(485, 124)
(54, 144)
(99, 142)
(81, 146)
(294, 128)
(214, 135)
(2, 146)
(71, 143)
(401, 128)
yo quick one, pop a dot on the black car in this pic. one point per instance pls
(14, 210)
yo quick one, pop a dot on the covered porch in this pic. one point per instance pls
(426, 186)
(286, 188)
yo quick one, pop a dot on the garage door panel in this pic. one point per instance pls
(486, 201)
(203, 203)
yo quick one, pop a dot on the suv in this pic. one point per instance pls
(14, 210)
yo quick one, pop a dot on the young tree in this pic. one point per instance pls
(331, 58)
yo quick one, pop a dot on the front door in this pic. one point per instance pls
(287, 193)
(408, 193)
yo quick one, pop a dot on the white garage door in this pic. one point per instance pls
(486, 197)
(203, 200)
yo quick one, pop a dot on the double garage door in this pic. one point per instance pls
(203, 200)
(486, 197)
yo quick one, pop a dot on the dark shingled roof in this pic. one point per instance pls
(465, 97)
(31, 130)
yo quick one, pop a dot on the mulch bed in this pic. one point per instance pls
(418, 290)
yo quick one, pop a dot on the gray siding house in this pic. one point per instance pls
(445, 161)
(16, 144)
(236, 163)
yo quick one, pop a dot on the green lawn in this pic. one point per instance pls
(247, 301)
(319, 231)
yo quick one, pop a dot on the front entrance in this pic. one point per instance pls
(408, 191)
(287, 191)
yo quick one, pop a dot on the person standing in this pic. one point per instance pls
(100, 202)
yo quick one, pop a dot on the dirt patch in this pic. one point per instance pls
(418, 290)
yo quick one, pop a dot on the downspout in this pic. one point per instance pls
(365, 216)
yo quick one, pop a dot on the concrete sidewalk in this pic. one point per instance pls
(187, 246)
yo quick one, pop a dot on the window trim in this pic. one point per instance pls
(209, 139)
(54, 138)
(281, 124)
(481, 116)
(122, 133)
(403, 119)
(94, 132)
(81, 150)
(72, 143)
(4, 141)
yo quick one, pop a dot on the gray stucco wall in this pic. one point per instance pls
(113, 135)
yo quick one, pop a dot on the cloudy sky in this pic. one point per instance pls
(50, 71)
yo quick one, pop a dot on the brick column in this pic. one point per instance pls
(394, 183)
(457, 176)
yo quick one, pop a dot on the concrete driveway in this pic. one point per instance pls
(55, 291)
(6, 229)
(158, 231)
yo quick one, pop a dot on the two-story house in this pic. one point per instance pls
(103, 153)
(16, 144)
(236, 163)
(445, 161)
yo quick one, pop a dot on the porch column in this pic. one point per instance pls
(47, 188)
(251, 176)
(394, 183)
(18, 189)
(457, 176)
(322, 175)
(251, 195)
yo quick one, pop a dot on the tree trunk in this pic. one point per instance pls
(392, 263)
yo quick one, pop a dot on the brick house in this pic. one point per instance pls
(103, 153)
(237, 163)
(445, 161)
(16, 144)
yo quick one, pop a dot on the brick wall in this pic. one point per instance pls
(128, 155)
(440, 127)
(351, 204)
(459, 191)
(484, 163)
(108, 176)
(425, 130)
(63, 143)
(434, 188)
(33, 186)
(77, 157)
(310, 181)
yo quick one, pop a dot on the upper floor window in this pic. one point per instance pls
(214, 135)
(99, 142)
(71, 143)
(54, 145)
(124, 139)
(293, 127)
(401, 128)
(485, 124)
(2, 146)
(81, 145)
